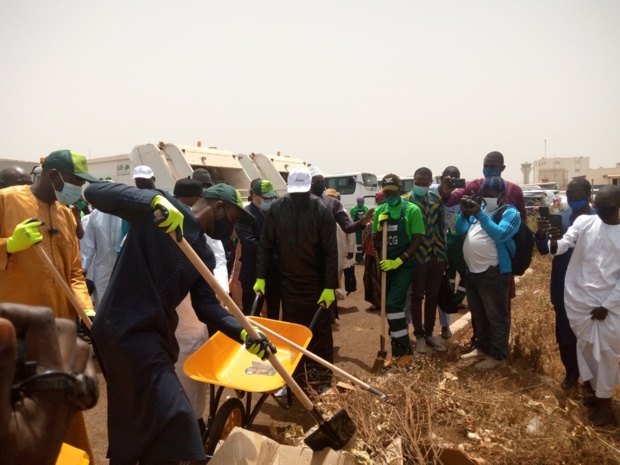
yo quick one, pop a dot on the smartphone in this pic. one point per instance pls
(457, 183)
(556, 222)
(543, 212)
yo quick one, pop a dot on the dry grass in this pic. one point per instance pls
(445, 402)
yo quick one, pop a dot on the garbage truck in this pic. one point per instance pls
(171, 162)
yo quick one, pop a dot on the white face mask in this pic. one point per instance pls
(491, 204)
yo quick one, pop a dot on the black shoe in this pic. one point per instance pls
(445, 332)
(603, 417)
(470, 348)
(569, 383)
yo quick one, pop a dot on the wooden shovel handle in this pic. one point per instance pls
(242, 319)
(383, 285)
(63, 285)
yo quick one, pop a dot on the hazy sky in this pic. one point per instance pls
(346, 85)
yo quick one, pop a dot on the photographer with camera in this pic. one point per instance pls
(52, 380)
(487, 249)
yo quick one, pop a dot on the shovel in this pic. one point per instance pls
(63, 285)
(334, 433)
(382, 354)
(258, 302)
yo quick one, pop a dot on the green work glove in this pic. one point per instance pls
(387, 265)
(259, 345)
(259, 286)
(327, 296)
(25, 235)
(382, 218)
(170, 218)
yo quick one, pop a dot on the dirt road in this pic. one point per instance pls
(356, 342)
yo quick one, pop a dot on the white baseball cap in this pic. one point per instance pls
(143, 172)
(315, 171)
(299, 180)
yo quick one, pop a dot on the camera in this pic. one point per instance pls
(472, 201)
(457, 183)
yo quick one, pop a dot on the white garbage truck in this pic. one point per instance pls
(171, 162)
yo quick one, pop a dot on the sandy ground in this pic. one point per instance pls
(356, 343)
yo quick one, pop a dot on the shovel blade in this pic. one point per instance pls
(335, 433)
(379, 362)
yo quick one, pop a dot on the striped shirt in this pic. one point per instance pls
(434, 243)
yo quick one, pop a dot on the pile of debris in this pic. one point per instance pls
(444, 411)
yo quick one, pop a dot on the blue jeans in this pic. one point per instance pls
(487, 298)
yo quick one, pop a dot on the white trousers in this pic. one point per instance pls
(602, 374)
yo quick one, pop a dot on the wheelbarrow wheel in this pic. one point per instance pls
(229, 415)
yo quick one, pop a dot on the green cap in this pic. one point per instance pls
(69, 162)
(228, 193)
(391, 182)
(264, 188)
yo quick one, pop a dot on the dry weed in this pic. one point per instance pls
(516, 414)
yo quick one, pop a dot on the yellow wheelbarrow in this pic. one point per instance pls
(223, 363)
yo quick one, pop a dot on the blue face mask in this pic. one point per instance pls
(577, 205)
(69, 194)
(420, 191)
(393, 201)
(486, 172)
(264, 206)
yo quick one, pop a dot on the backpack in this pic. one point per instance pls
(524, 242)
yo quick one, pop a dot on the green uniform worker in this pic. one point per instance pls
(357, 212)
(405, 232)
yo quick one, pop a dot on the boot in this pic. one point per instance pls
(604, 414)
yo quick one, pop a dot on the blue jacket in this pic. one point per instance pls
(501, 233)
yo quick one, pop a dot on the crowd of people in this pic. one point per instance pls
(150, 309)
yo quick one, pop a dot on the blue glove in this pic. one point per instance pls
(387, 265)
(259, 345)
(383, 217)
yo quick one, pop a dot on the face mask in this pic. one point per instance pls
(576, 205)
(606, 213)
(420, 191)
(223, 229)
(491, 203)
(486, 172)
(393, 201)
(264, 206)
(69, 194)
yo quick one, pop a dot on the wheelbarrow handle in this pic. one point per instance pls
(318, 359)
(257, 304)
(245, 323)
(63, 285)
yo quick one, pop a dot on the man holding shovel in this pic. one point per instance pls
(150, 419)
(405, 232)
(37, 214)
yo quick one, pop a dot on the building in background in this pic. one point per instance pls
(600, 177)
(559, 170)
(562, 170)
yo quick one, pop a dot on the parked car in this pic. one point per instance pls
(541, 198)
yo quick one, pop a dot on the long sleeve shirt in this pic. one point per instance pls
(501, 233)
(24, 278)
(512, 195)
